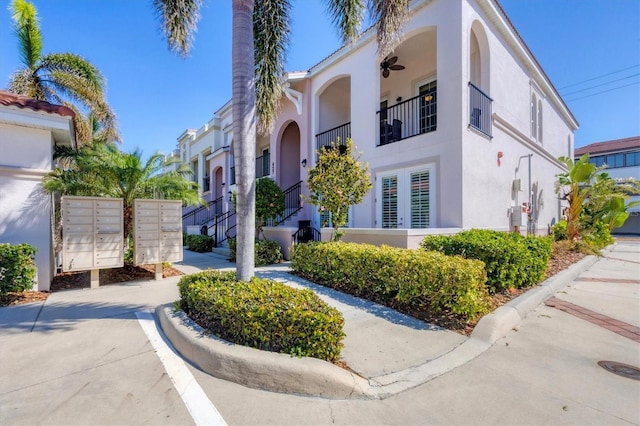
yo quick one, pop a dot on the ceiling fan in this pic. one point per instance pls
(390, 64)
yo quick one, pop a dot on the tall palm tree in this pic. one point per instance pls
(61, 78)
(260, 33)
(100, 169)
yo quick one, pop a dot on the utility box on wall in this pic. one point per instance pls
(157, 230)
(518, 216)
(92, 233)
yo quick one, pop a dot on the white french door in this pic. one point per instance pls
(406, 198)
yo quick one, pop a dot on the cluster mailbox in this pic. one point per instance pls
(92, 233)
(157, 231)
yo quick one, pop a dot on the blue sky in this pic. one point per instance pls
(157, 95)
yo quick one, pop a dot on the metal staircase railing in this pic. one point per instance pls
(203, 214)
(292, 204)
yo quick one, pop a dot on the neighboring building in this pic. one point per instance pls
(29, 129)
(445, 138)
(622, 157)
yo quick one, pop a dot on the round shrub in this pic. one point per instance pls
(266, 252)
(17, 267)
(200, 243)
(263, 314)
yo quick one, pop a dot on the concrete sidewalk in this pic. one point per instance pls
(81, 357)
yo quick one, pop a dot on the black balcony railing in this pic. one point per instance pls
(479, 110)
(340, 133)
(263, 164)
(206, 184)
(409, 118)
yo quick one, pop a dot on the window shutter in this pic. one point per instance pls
(390, 202)
(420, 199)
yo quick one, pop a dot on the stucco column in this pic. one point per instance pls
(200, 173)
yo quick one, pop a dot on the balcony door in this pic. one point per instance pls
(428, 106)
(406, 198)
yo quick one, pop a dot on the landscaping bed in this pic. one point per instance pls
(562, 257)
(82, 279)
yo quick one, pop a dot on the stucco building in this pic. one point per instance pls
(454, 140)
(29, 129)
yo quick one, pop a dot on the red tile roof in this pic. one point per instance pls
(616, 145)
(11, 99)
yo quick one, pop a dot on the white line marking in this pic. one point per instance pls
(200, 407)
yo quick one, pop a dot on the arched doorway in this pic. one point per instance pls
(289, 161)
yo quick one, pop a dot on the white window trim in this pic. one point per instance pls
(404, 184)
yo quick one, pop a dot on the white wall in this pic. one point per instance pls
(25, 210)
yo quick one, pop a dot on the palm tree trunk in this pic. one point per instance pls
(244, 133)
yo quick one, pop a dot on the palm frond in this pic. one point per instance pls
(271, 29)
(73, 65)
(347, 16)
(179, 19)
(25, 82)
(388, 16)
(25, 20)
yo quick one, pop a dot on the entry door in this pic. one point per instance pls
(406, 198)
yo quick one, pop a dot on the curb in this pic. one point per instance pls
(313, 377)
(255, 368)
(497, 324)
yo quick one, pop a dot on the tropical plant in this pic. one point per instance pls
(336, 182)
(60, 78)
(269, 202)
(574, 186)
(597, 202)
(102, 170)
(260, 32)
(607, 201)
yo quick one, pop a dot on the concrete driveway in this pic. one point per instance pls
(83, 357)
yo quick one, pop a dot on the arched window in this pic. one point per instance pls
(540, 121)
(534, 116)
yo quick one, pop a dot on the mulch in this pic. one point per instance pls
(80, 280)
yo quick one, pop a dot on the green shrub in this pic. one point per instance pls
(266, 252)
(389, 275)
(17, 267)
(559, 230)
(200, 243)
(598, 235)
(263, 314)
(511, 260)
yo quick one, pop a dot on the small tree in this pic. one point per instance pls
(336, 182)
(269, 202)
(574, 186)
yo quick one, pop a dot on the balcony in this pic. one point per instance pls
(409, 118)
(263, 168)
(340, 133)
(479, 110)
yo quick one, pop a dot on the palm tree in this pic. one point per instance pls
(100, 169)
(61, 78)
(260, 33)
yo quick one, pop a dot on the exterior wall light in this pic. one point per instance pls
(304, 163)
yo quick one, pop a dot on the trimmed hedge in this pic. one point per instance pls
(511, 260)
(199, 243)
(388, 275)
(263, 314)
(17, 267)
(266, 252)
